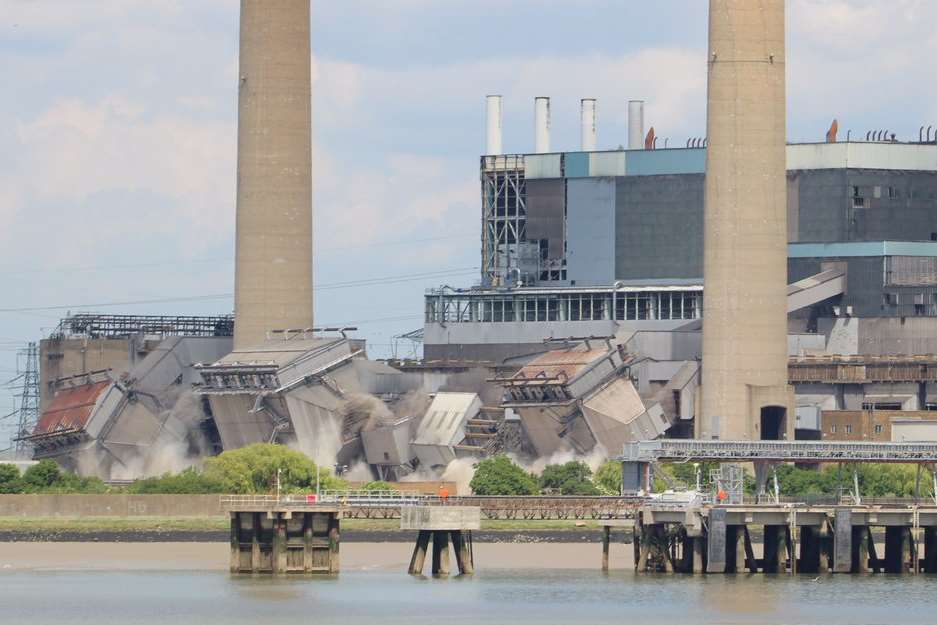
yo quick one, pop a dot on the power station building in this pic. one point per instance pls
(610, 244)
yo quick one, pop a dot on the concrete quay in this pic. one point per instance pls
(797, 538)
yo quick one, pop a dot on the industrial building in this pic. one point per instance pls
(117, 393)
(610, 244)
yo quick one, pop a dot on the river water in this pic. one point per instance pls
(492, 597)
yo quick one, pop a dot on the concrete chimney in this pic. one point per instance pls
(273, 273)
(542, 125)
(494, 120)
(636, 124)
(588, 125)
(745, 391)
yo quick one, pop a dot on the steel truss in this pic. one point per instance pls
(779, 451)
(118, 326)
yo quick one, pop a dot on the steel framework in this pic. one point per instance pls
(103, 326)
(504, 214)
(779, 451)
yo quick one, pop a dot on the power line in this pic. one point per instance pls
(220, 296)
(225, 259)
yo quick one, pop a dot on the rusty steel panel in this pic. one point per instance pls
(558, 364)
(70, 409)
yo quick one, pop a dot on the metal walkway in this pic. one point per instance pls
(782, 451)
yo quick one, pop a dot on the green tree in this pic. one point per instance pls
(379, 487)
(608, 478)
(500, 476)
(253, 469)
(43, 475)
(10, 482)
(189, 482)
(571, 478)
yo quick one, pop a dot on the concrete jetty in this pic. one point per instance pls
(797, 538)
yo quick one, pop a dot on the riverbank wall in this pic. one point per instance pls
(111, 505)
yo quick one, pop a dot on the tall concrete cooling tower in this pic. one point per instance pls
(273, 279)
(745, 393)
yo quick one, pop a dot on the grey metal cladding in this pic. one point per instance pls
(546, 207)
(659, 226)
(590, 230)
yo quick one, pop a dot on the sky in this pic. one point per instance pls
(118, 135)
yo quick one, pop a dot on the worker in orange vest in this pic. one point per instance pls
(443, 493)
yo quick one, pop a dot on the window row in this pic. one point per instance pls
(642, 306)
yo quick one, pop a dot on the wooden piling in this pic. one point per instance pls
(256, 564)
(334, 540)
(308, 543)
(606, 540)
(235, 563)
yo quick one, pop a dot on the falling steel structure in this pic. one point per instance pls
(745, 394)
(273, 281)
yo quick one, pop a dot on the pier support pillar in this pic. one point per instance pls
(699, 555)
(440, 552)
(606, 540)
(826, 548)
(279, 544)
(930, 549)
(775, 549)
(860, 549)
(842, 541)
(692, 554)
(462, 546)
(256, 562)
(334, 540)
(897, 549)
(792, 535)
(419, 553)
(735, 549)
(809, 549)
(235, 562)
(893, 550)
(717, 541)
(874, 562)
(750, 562)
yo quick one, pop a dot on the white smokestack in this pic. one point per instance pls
(494, 115)
(588, 125)
(542, 125)
(636, 124)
